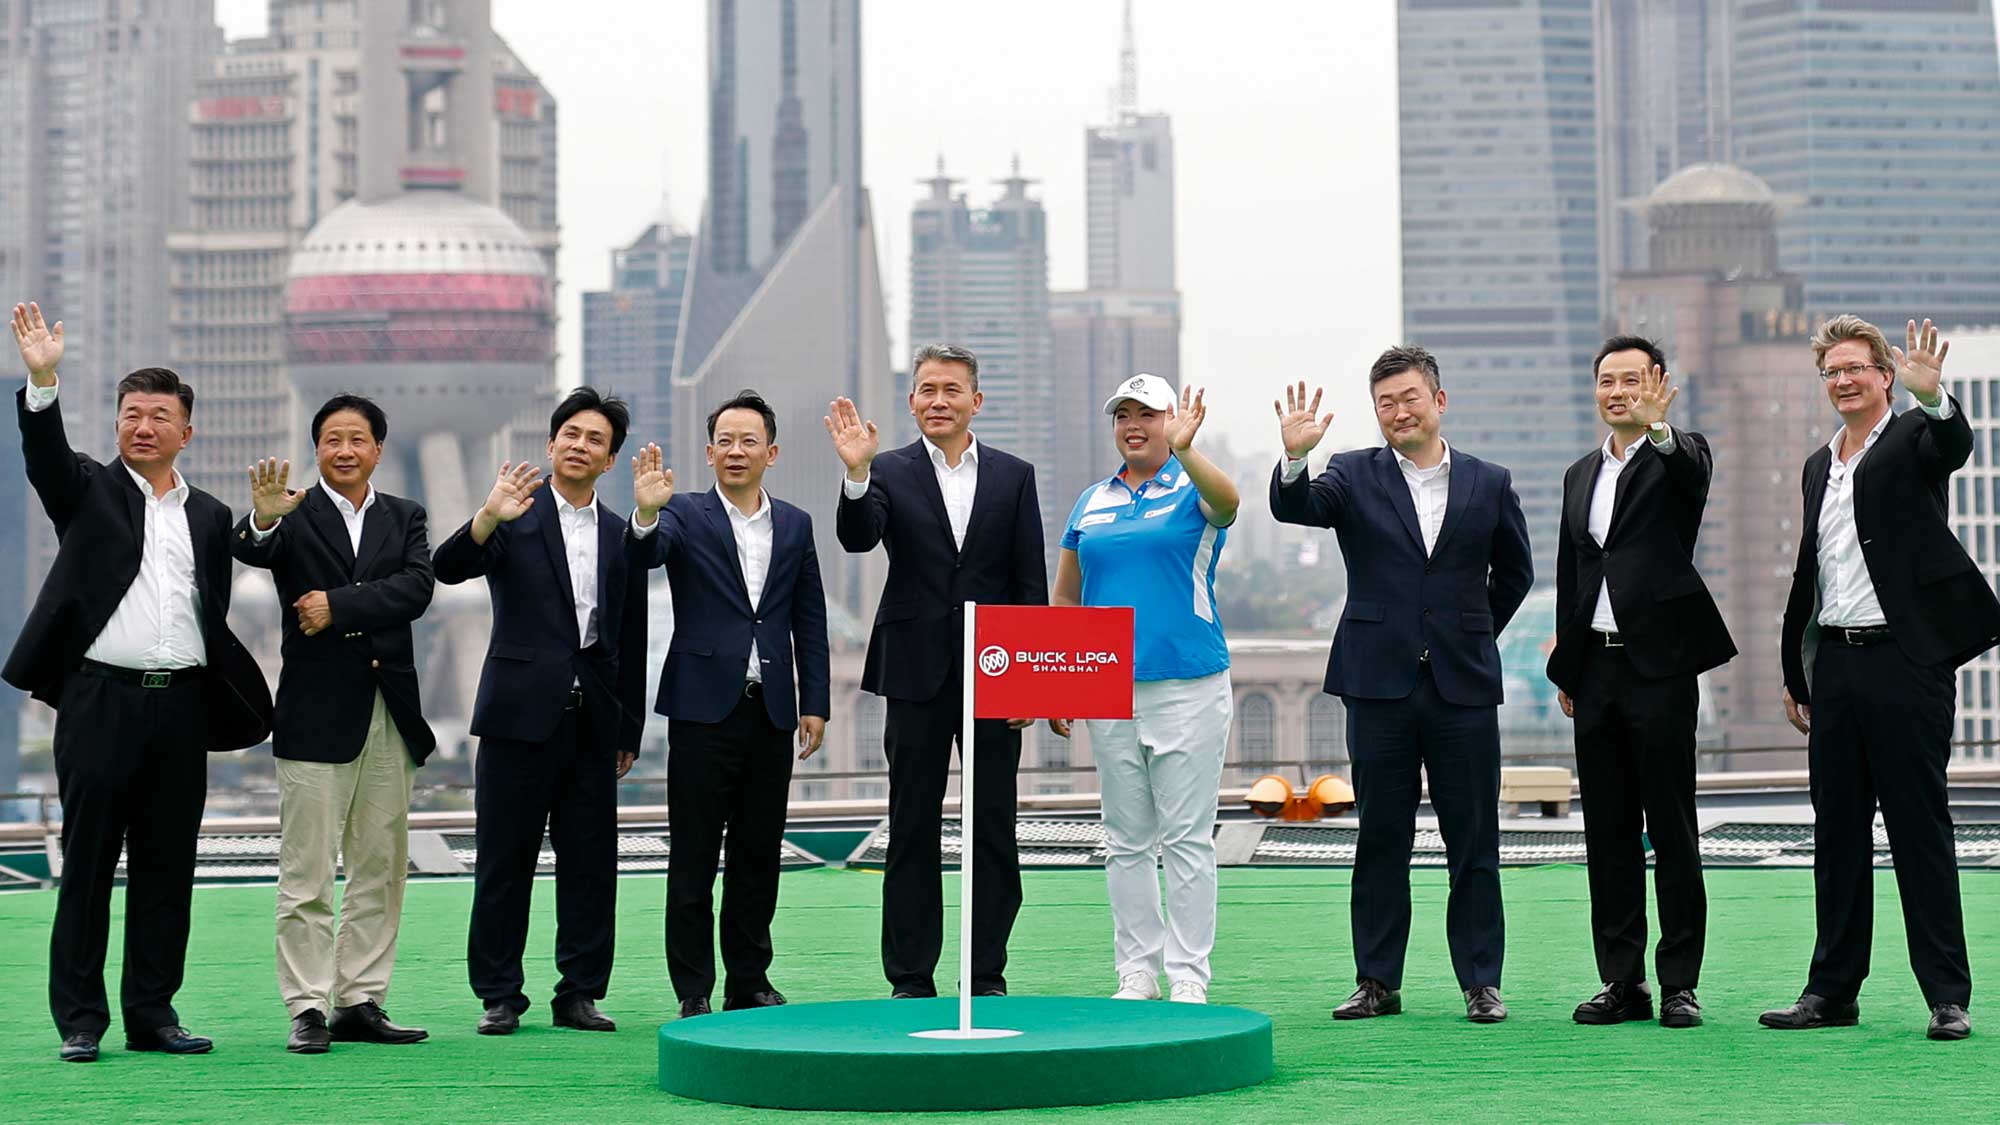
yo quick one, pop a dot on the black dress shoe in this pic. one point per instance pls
(579, 1013)
(1949, 1021)
(500, 1019)
(1679, 1008)
(1812, 1011)
(694, 1006)
(912, 994)
(172, 1040)
(1482, 1005)
(769, 998)
(990, 990)
(1372, 999)
(366, 1022)
(81, 1047)
(309, 1034)
(1617, 1002)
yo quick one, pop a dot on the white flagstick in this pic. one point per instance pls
(970, 680)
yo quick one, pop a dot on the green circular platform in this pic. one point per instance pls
(862, 1055)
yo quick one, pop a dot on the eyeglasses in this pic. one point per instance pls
(1852, 370)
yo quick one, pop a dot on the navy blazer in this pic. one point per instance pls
(326, 689)
(1400, 603)
(535, 655)
(714, 621)
(915, 643)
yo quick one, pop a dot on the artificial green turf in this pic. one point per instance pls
(1283, 950)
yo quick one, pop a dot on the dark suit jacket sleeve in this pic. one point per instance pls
(860, 524)
(251, 552)
(396, 600)
(632, 646)
(1028, 580)
(1309, 501)
(1799, 602)
(809, 635)
(1512, 572)
(57, 472)
(657, 546)
(1944, 445)
(459, 559)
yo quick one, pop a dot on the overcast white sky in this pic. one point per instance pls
(1284, 119)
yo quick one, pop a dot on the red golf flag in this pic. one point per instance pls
(1049, 662)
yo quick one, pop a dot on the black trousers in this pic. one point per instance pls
(1635, 766)
(131, 773)
(1458, 750)
(1881, 730)
(570, 786)
(918, 740)
(733, 777)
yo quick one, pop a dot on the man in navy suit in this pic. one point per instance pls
(559, 710)
(1437, 563)
(747, 604)
(961, 523)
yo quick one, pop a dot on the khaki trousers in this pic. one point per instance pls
(359, 811)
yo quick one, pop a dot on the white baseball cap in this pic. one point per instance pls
(1149, 391)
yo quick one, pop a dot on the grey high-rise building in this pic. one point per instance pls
(1885, 118)
(628, 338)
(785, 293)
(14, 509)
(1499, 231)
(1129, 188)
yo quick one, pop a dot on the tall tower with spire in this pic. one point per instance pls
(1129, 169)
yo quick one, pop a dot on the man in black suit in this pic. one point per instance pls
(748, 604)
(1885, 605)
(561, 703)
(355, 566)
(1634, 626)
(961, 523)
(129, 642)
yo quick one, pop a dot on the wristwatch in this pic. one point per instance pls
(1658, 431)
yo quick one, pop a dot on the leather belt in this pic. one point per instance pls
(1611, 640)
(753, 689)
(1864, 635)
(155, 678)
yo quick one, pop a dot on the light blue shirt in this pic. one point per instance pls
(1155, 551)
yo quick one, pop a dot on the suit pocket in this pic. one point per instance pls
(509, 652)
(1363, 611)
(688, 650)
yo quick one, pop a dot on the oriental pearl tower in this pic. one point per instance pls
(427, 298)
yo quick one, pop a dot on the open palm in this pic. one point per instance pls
(1186, 422)
(857, 442)
(1922, 367)
(1299, 420)
(514, 492)
(41, 345)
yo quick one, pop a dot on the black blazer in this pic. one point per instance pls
(100, 520)
(1401, 603)
(1666, 617)
(535, 655)
(326, 690)
(714, 622)
(919, 625)
(1937, 603)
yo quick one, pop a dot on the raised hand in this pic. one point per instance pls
(41, 346)
(1299, 421)
(1187, 421)
(856, 441)
(514, 492)
(1921, 368)
(269, 497)
(1655, 395)
(652, 482)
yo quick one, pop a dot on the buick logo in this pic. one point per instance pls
(993, 660)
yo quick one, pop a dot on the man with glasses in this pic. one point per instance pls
(1885, 605)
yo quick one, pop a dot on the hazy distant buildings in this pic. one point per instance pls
(1972, 375)
(628, 338)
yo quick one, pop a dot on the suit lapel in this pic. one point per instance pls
(982, 496)
(324, 518)
(1818, 466)
(374, 534)
(927, 484)
(1578, 496)
(135, 501)
(610, 569)
(781, 526)
(549, 524)
(1389, 475)
(1638, 459)
(725, 533)
(1459, 487)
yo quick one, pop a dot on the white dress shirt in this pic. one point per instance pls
(350, 515)
(157, 625)
(1430, 489)
(959, 485)
(1602, 501)
(1846, 591)
(753, 550)
(579, 534)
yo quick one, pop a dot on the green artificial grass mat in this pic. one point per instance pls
(1283, 950)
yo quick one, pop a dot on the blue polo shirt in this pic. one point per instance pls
(1153, 550)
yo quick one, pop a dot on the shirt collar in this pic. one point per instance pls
(1881, 424)
(763, 511)
(565, 508)
(938, 458)
(1169, 473)
(341, 503)
(1409, 467)
(1631, 450)
(178, 492)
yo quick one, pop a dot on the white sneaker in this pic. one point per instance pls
(1137, 985)
(1190, 992)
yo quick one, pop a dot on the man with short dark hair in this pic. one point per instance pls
(129, 641)
(1634, 626)
(1437, 563)
(747, 668)
(354, 566)
(561, 704)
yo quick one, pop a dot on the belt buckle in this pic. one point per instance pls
(156, 679)
(1612, 640)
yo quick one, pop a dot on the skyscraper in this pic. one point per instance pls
(784, 293)
(1972, 375)
(1499, 231)
(1129, 188)
(628, 337)
(1885, 117)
